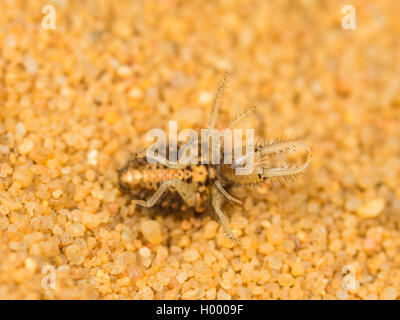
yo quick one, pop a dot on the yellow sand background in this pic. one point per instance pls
(77, 100)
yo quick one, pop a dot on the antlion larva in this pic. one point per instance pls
(198, 185)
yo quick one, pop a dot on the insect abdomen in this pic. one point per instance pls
(141, 180)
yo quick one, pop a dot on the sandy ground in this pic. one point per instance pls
(76, 101)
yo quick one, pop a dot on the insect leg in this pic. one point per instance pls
(186, 192)
(217, 199)
(153, 199)
(225, 193)
(241, 117)
(217, 101)
(181, 187)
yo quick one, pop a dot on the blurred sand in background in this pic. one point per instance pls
(76, 101)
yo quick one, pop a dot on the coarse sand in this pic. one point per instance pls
(76, 101)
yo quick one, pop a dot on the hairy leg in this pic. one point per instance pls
(217, 200)
(153, 199)
(225, 193)
(241, 117)
(187, 194)
(218, 101)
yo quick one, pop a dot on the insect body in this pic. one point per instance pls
(180, 186)
(168, 187)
